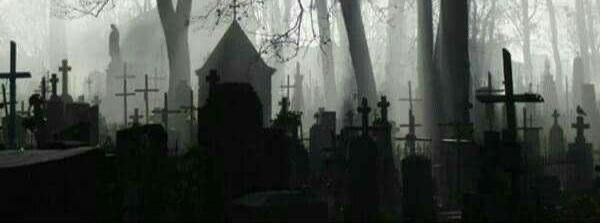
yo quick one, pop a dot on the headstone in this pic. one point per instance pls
(136, 117)
(550, 94)
(322, 137)
(556, 140)
(580, 154)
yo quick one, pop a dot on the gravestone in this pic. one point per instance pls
(322, 137)
(580, 154)
(556, 140)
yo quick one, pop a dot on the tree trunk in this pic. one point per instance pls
(526, 32)
(359, 50)
(327, 61)
(591, 39)
(454, 59)
(175, 23)
(427, 80)
(555, 49)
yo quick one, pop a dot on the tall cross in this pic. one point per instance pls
(287, 88)
(12, 77)
(383, 105)
(411, 137)
(136, 117)
(146, 90)
(190, 108)
(489, 108)
(164, 112)
(125, 93)
(580, 126)
(65, 68)
(364, 110)
(555, 115)
(509, 98)
(155, 79)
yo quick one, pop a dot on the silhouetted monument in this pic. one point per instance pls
(244, 66)
(580, 154)
(65, 69)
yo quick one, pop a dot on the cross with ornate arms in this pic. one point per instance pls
(136, 117)
(146, 91)
(65, 68)
(383, 105)
(125, 92)
(364, 110)
(165, 112)
(509, 98)
(12, 77)
(580, 126)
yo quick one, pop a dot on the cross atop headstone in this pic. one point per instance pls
(555, 115)
(65, 68)
(285, 105)
(146, 91)
(125, 92)
(509, 98)
(53, 81)
(12, 77)
(164, 112)
(364, 110)
(580, 126)
(136, 117)
(383, 105)
(212, 79)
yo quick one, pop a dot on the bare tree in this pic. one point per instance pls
(326, 44)
(555, 48)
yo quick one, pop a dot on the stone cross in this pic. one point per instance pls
(212, 79)
(65, 68)
(580, 126)
(12, 77)
(155, 79)
(125, 92)
(364, 110)
(146, 91)
(383, 105)
(164, 112)
(555, 115)
(53, 81)
(509, 98)
(136, 117)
